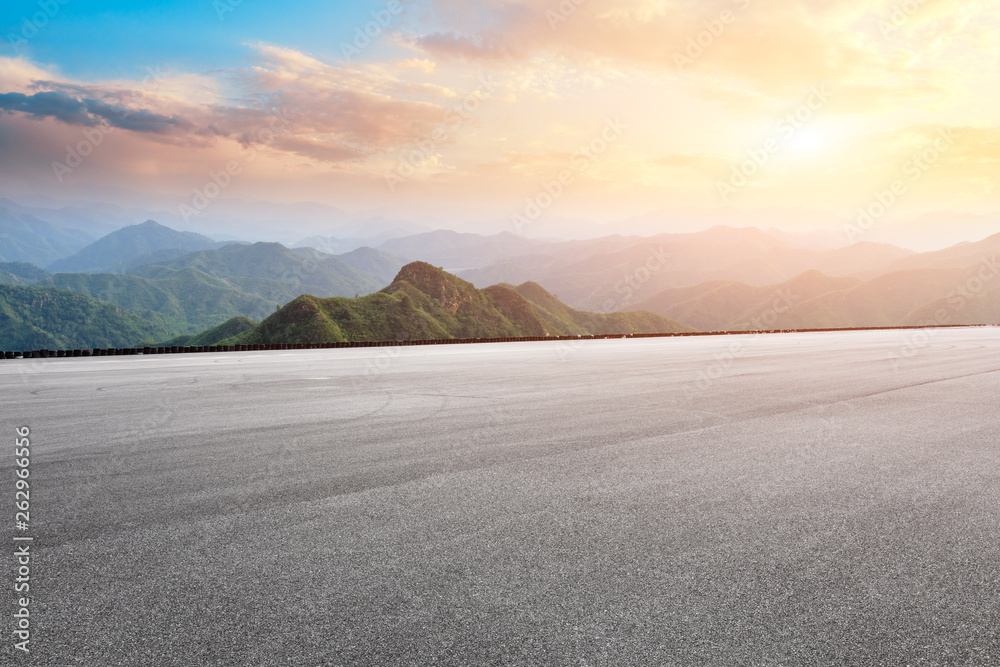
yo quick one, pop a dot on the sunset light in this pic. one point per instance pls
(457, 112)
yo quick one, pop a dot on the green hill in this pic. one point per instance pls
(34, 318)
(227, 329)
(20, 273)
(273, 272)
(183, 301)
(424, 302)
(200, 290)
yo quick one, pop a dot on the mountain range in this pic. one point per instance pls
(619, 277)
(132, 246)
(27, 238)
(182, 283)
(957, 285)
(163, 285)
(425, 302)
(276, 273)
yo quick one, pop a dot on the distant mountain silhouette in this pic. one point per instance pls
(980, 308)
(131, 246)
(914, 297)
(887, 300)
(627, 270)
(958, 256)
(459, 250)
(729, 305)
(380, 265)
(26, 238)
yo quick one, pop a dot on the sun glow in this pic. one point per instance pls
(808, 143)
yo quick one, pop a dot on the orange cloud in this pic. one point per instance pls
(701, 84)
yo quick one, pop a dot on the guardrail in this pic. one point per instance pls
(194, 349)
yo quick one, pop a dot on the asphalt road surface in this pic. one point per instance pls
(792, 499)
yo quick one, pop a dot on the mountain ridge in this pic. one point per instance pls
(426, 302)
(132, 246)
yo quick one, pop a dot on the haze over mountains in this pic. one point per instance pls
(179, 283)
(132, 246)
(27, 238)
(623, 271)
(168, 285)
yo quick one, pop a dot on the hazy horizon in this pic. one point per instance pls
(253, 221)
(541, 118)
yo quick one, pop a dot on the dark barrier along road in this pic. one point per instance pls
(271, 347)
(796, 499)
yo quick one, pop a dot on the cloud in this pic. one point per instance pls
(89, 112)
(340, 113)
(141, 120)
(569, 66)
(292, 101)
(318, 150)
(16, 73)
(772, 47)
(52, 104)
(452, 45)
(427, 66)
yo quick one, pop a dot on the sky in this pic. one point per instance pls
(861, 110)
